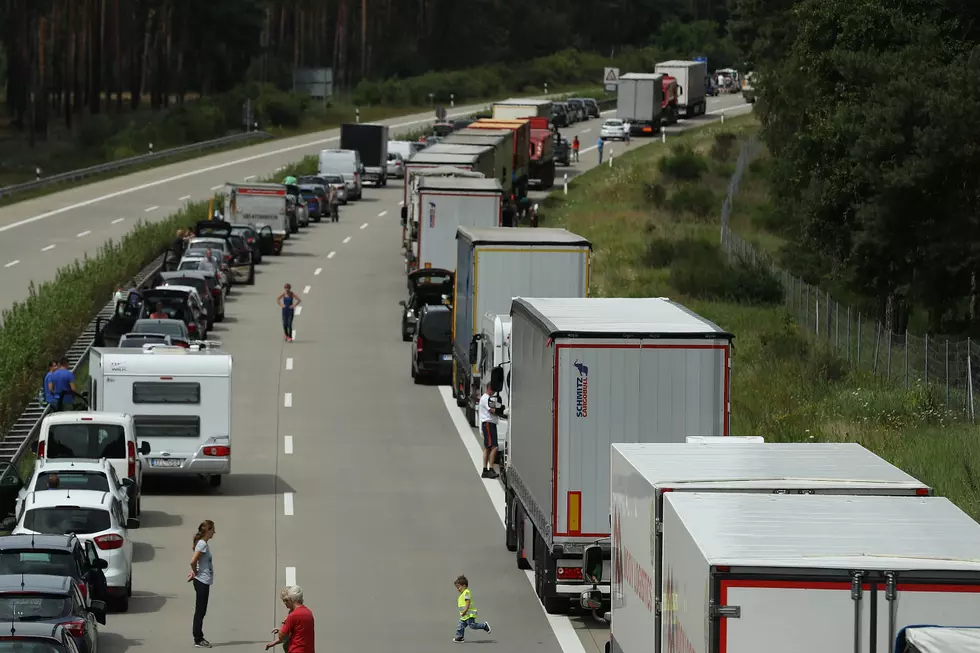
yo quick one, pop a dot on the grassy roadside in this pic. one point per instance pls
(653, 219)
(336, 116)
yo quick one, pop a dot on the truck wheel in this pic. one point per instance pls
(556, 605)
(470, 412)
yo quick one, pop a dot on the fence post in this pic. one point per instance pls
(860, 335)
(906, 359)
(925, 373)
(816, 321)
(877, 345)
(806, 313)
(847, 334)
(947, 375)
(828, 315)
(969, 377)
(836, 324)
(888, 369)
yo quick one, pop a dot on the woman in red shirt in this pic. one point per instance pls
(297, 629)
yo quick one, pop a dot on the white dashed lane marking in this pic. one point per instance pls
(150, 208)
(317, 271)
(48, 248)
(382, 214)
(82, 234)
(118, 220)
(12, 264)
(289, 363)
(330, 255)
(363, 226)
(347, 240)
(288, 400)
(288, 445)
(287, 503)
(306, 290)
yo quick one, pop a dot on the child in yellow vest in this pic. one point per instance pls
(467, 612)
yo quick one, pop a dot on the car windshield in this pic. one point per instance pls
(31, 645)
(67, 519)
(614, 123)
(74, 480)
(137, 341)
(86, 440)
(165, 327)
(334, 179)
(44, 563)
(437, 325)
(32, 606)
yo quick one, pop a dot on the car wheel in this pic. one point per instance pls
(121, 603)
(214, 480)
(406, 336)
(251, 276)
(220, 317)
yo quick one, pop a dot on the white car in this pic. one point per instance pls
(198, 259)
(95, 517)
(396, 165)
(613, 129)
(98, 475)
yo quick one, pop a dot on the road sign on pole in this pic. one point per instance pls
(610, 79)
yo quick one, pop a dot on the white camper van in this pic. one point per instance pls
(180, 400)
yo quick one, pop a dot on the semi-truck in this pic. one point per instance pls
(409, 217)
(692, 98)
(541, 166)
(588, 373)
(771, 573)
(642, 475)
(371, 141)
(260, 206)
(432, 158)
(492, 267)
(502, 140)
(670, 111)
(517, 108)
(522, 148)
(444, 204)
(639, 101)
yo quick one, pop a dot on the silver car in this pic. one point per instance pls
(396, 165)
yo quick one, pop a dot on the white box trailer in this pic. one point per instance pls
(520, 108)
(447, 203)
(692, 96)
(938, 639)
(492, 267)
(588, 373)
(410, 212)
(643, 474)
(764, 573)
(639, 101)
(439, 159)
(260, 206)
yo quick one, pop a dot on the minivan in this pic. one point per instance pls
(93, 435)
(433, 351)
(347, 164)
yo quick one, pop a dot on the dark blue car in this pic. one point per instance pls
(36, 638)
(53, 600)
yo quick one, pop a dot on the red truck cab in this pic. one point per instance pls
(669, 103)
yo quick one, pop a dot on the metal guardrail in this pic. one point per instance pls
(23, 434)
(139, 159)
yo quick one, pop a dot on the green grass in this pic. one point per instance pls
(654, 221)
(61, 155)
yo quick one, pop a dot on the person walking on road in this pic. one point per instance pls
(575, 148)
(297, 633)
(598, 147)
(288, 301)
(488, 411)
(467, 611)
(202, 575)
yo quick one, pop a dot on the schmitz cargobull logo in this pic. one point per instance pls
(581, 390)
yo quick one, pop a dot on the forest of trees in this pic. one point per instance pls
(869, 109)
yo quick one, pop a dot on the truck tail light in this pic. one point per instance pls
(220, 451)
(569, 573)
(192, 328)
(109, 542)
(418, 344)
(131, 459)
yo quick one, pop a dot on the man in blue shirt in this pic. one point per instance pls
(599, 148)
(62, 386)
(47, 394)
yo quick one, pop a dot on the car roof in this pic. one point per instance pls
(77, 417)
(190, 290)
(11, 542)
(57, 498)
(36, 583)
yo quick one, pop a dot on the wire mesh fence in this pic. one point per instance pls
(948, 367)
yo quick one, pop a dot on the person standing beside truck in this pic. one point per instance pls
(488, 427)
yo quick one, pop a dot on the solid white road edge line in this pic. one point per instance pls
(192, 173)
(382, 214)
(150, 208)
(288, 400)
(290, 575)
(287, 503)
(48, 248)
(118, 220)
(288, 444)
(364, 226)
(347, 240)
(12, 264)
(317, 271)
(306, 290)
(561, 626)
(82, 234)
(289, 363)
(331, 254)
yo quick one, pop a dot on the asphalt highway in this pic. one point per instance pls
(347, 479)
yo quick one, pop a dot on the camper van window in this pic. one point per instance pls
(167, 426)
(86, 441)
(155, 392)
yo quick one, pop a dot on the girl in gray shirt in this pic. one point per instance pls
(202, 575)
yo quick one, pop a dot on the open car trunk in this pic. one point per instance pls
(427, 286)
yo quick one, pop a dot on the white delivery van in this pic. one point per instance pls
(447, 203)
(643, 474)
(772, 573)
(347, 164)
(588, 373)
(938, 639)
(180, 400)
(494, 366)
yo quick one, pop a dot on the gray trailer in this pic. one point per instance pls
(502, 140)
(430, 157)
(492, 267)
(691, 76)
(640, 102)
